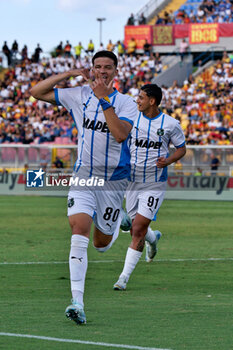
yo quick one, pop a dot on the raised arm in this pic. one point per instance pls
(44, 90)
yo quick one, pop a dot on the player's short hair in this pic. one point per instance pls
(153, 90)
(105, 53)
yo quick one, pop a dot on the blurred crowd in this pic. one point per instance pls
(25, 120)
(193, 11)
(208, 11)
(14, 55)
(203, 105)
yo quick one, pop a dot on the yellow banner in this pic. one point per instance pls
(204, 33)
(163, 35)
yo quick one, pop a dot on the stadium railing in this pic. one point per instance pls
(208, 55)
(149, 9)
(17, 157)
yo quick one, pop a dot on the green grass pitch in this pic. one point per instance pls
(181, 301)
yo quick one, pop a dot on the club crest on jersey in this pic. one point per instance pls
(70, 202)
(160, 132)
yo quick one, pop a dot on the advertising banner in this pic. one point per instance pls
(178, 187)
(163, 35)
(203, 33)
(198, 33)
(139, 33)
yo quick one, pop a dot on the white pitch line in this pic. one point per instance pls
(34, 263)
(112, 261)
(122, 346)
(195, 259)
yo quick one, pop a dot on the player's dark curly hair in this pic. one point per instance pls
(153, 90)
(105, 53)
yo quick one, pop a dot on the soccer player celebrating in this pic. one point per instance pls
(150, 138)
(104, 118)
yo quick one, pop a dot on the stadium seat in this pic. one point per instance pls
(8, 155)
(32, 155)
(66, 140)
(58, 140)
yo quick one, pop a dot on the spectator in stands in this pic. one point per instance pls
(14, 48)
(147, 48)
(7, 53)
(198, 172)
(134, 90)
(225, 57)
(142, 19)
(151, 63)
(120, 48)
(229, 11)
(208, 7)
(132, 46)
(59, 49)
(159, 20)
(158, 63)
(200, 14)
(101, 47)
(179, 19)
(90, 47)
(171, 17)
(58, 163)
(183, 48)
(186, 18)
(110, 46)
(2, 136)
(67, 49)
(3, 170)
(214, 164)
(24, 53)
(131, 20)
(36, 56)
(192, 136)
(46, 135)
(78, 50)
(28, 135)
(166, 17)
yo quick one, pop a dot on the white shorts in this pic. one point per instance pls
(144, 199)
(103, 205)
